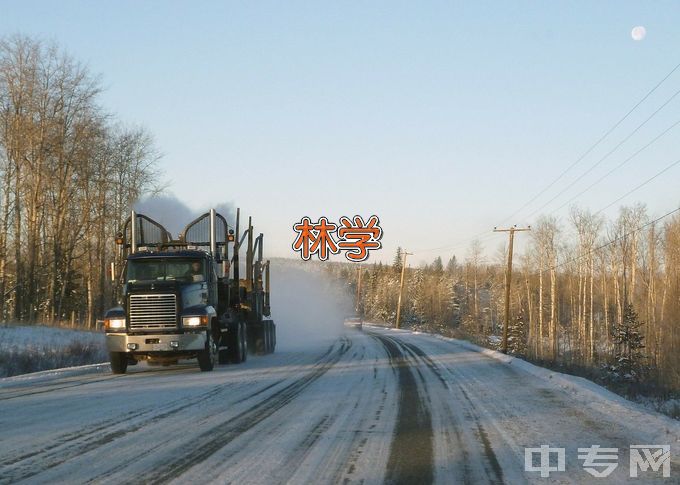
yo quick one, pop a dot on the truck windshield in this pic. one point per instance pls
(153, 269)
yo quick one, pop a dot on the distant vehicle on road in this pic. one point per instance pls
(354, 322)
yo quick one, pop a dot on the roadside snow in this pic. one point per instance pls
(587, 392)
(48, 375)
(25, 349)
(32, 335)
(634, 416)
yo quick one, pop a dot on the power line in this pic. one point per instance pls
(628, 137)
(593, 146)
(609, 243)
(618, 166)
(586, 153)
(658, 174)
(481, 236)
(639, 186)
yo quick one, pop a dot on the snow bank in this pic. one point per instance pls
(18, 335)
(25, 349)
(47, 375)
(637, 416)
(633, 415)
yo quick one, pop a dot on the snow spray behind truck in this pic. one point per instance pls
(184, 298)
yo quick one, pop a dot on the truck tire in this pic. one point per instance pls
(208, 357)
(265, 339)
(223, 356)
(244, 342)
(259, 344)
(239, 349)
(273, 336)
(269, 338)
(119, 362)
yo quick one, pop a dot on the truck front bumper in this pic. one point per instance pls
(120, 342)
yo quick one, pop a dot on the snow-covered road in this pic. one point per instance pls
(370, 407)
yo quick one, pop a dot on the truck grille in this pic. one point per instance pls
(153, 312)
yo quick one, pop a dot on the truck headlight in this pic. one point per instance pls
(114, 323)
(197, 321)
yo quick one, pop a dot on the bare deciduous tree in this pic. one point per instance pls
(68, 178)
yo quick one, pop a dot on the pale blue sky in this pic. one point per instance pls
(443, 118)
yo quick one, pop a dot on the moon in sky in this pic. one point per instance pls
(638, 33)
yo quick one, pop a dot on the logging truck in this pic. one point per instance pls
(185, 298)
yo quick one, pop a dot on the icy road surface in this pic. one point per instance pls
(370, 407)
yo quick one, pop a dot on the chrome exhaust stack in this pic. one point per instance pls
(133, 232)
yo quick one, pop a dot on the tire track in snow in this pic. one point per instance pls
(305, 447)
(73, 444)
(481, 432)
(6, 396)
(411, 457)
(338, 430)
(76, 381)
(209, 442)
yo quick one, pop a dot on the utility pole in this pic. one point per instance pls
(359, 308)
(401, 288)
(508, 281)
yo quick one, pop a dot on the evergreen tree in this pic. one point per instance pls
(452, 265)
(517, 336)
(416, 300)
(438, 266)
(628, 362)
(396, 264)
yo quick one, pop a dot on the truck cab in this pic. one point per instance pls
(178, 299)
(168, 310)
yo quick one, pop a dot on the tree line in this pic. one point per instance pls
(69, 171)
(587, 293)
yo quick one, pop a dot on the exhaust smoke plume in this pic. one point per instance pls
(174, 215)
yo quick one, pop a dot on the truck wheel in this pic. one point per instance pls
(208, 357)
(244, 342)
(261, 339)
(238, 352)
(223, 356)
(265, 337)
(270, 338)
(119, 362)
(273, 336)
